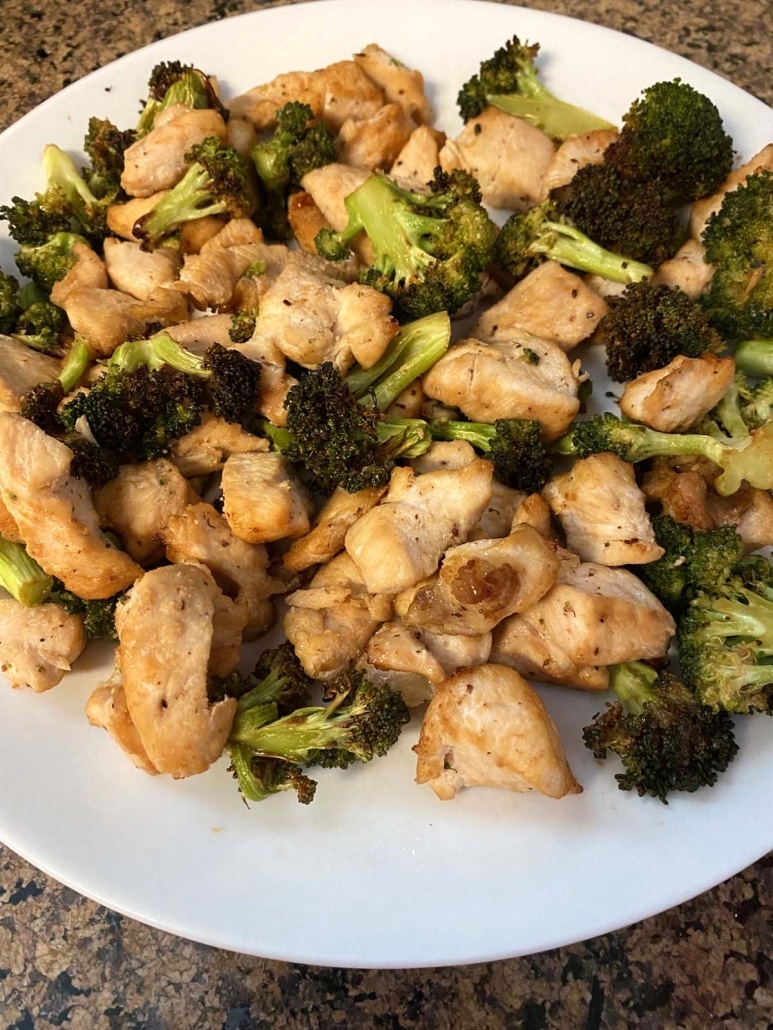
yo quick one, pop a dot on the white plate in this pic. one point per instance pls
(377, 872)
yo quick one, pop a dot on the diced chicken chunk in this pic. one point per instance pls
(107, 318)
(414, 167)
(687, 270)
(674, 398)
(575, 153)
(375, 142)
(208, 445)
(486, 727)
(21, 368)
(137, 272)
(602, 511)
(326, 538)
(262, 498)
(88, 272)
(517, 643)
(38, 645)
(400, 84)
(107, 709)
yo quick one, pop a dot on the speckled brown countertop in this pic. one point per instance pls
(66, 962)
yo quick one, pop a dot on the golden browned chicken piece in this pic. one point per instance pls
(326, 537)
(687, 270)
(54, 512)
(208, 445)
(38, 645)
(400, 84)
(328, 187)
(602, 511)
(89, 271)
(106, 708)
(522, 646)
(107, 318)
(330, 621)
(137, 272)
(263, 500)
(573, 154)
(479, 583)
(401, 540)
(21, 368)
(487, 727)
(675, 398)
(374, 143)
(508, 157)
(166, 632)
(518, 378)
(414, 167)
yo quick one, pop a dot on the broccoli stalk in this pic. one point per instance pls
(509, 80)
(541, 234)
(755, 357)
(666, 738)
(747, 458)
(430, 249)
(515, 446)
(21, 575)
(217, 182)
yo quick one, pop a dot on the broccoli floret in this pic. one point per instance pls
(430, 249)
(755, 357)
(242, 325)
(666, 738)
(21, 575)
(515, 446)
(10, 308)
(299, 144)
(542, 234)
(694, 560)
(755, 402)
(41, 403)
(48, 262)
(40, 326)
(647, 326)
(673, 136)
(172, 82)
(260, 777)
(90, 462)
(98, 615)
(217, 182)
(626, 218)
(509, 80)
(738, 239)
(105, 146)
(747, 458)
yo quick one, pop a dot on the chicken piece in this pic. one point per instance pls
(326, 537)
(330, 622)
(749, 510)
(199, 334)
(701, 210)
(55, 514)
(166, 635)
(675, 398)
(401, 540)
(137, 272)
(508, 157)
(534, 511)
(497, 519)
(681, 492)
(138, 503)
(479, 583)
(349, 93)
(193, 236)
(121, 218)
(198, 533)
(8, 528)
(524, 378)
(486, 727)
(687, 270)
(400, 84)
(444, 454)
(275, 381)
(311, 319)
(409, 403)
(395, 647)
(329, 186)
(262, 498)
(241, 135)
(306, 220)
(521, 646)
(21, 368)
(88, 271)
(457, 651)
(38, 645)
(210, 277)
(208, 445)
(106, 708)
(375, 142)
(107, 318)
(597, 615)
(415, 165)
(551, 302)
(602, 512)
(573, 154)
(260, 104)
(157, 161)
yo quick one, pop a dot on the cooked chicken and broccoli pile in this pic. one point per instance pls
(299, 358)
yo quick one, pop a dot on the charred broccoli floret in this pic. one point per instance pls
(666, 738)
(542, 234)
(299, 143)
(40, 326)
(172, 82)
(242, 325)
(217, 182)
(430, 249)
(647, 326)
(48, 262)
(673, 136)
(10, 308)
(626, 218)
(21, 575)
(746, 458)
(514, 446)
(105, 145)
(98, 615)
(509, 80)
(41, 404)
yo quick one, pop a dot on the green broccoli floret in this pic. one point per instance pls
(667, 739)
(515, 446)
(172, 82)
(673, 136)
(40, 326)
(299, 143)
(747, 458)
(430, 249)
(725, 643)
(98, 615)
(260, 777)
(10, 308)
(217, 182)
(509, 80)
(48, 262)
(105, 146)
(626, 218)
(738, 239)
(755, 402)
(647, 326)
(242, 325)
(542, 234)
(21, 575)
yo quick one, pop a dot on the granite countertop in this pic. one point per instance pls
(67, 962)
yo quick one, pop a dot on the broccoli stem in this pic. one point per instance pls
(60, 170)
(755, 357)
(404, 437)
(568, 246)
(632, 682)
(159, 350)
(21, 575)
(189, 200)
(292, 738)
(479, 434)
(554, 117)
(75, 364)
